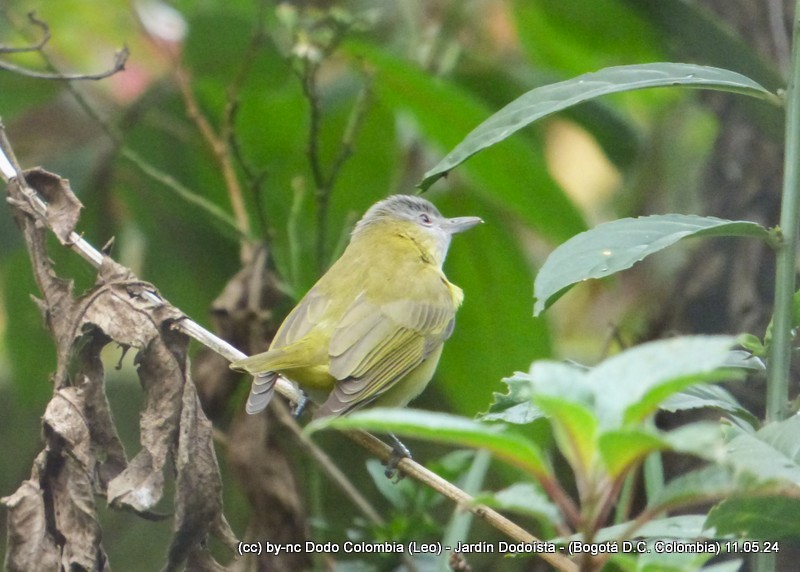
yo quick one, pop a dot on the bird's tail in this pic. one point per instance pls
(261, 391)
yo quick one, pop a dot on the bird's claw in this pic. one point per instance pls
(300, 406)
(399, 452)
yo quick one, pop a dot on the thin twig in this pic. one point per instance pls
(119, 64)
(308, 81)
(325, 183)
(213, 210)
(219, 150)
(33, 47)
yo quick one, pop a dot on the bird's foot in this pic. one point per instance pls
(399, 452)
(300, 406)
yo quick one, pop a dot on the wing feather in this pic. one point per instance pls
(302, 319)
(375, 345)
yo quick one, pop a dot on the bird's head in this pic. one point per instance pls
(416, 218)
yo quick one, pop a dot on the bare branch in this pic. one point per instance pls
(119, 64)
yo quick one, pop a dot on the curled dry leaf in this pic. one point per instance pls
(83, 456)
(30, 546)
(68, 472)
(63, 207)
(198, 497)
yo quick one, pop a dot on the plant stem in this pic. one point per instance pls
(780, 359)
(781, 348)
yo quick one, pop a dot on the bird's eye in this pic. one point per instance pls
(424, 218)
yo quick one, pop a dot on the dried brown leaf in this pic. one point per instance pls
(140, 486)
(29, 546)
(63, 207)
(106, 446)
(67, 475)
(198, 496)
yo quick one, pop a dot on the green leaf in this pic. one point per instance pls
(704, 439)
(30, 348)
(705, 485)
(545, 376)
(757, 517)
(575, 430)
(549, 99)
(686, 526)
(771, 454)
(624, 448)
(465, 379)
(522, 498)
(443, 428)
(696, 33)
(619, 244)
(577, 36)
(708, 396)
(632, 384)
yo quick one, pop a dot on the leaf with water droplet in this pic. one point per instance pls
(618, 245)
(549, 99)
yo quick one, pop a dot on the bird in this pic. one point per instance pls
(371, 330)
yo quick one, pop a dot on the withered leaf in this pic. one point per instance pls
(63, 207)
(140, 486)
(29, 546)
(198, 496)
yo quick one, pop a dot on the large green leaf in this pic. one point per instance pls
(549, 99)
(705, 485)
(694, 32)
(768, 518)
(444, 428)
(632, 384)
(31, 351)
(685, 526)
(576, 36)
(618, 245)
(708, 396)
(704, 439)
(772, 453)
(617, 133)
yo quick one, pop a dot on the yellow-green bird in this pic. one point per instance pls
(371, 330)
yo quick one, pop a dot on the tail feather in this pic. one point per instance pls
(261, 391)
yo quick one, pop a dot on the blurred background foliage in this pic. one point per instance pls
(419, 75)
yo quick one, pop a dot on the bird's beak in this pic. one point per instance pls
(461, 223)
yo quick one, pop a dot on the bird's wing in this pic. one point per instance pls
(302, 318)
(375, 345)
